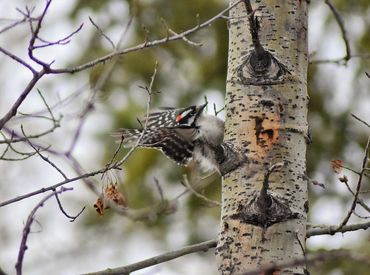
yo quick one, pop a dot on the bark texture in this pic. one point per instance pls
(264, 201)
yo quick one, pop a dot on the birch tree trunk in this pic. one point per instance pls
(264, 201)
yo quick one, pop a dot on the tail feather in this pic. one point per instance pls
(128, 137)
(173, 145)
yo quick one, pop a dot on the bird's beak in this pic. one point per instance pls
(201, 108)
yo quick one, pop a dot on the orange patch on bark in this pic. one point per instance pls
(267, 133)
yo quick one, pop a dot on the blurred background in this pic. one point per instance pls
(186, 75)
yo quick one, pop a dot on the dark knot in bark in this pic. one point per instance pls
(264, 211)
(260, 66)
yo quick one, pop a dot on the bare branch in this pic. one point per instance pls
(310, 259)
(184, 38)
(13, 110)
(217, 111)
(102, 33)
(19, 60)
(339, 20)
(88, 175)
(16, 23)
(144, 45)
(42, 156)
(52, 187)
(358, 187)
(34, 36)
(62, 41)
(361, 120)
(359, 200)
(204, 246)
(333, 229)
(340, 61)
(99, 84)
(47, 70)
(25, 155)
(27, 229)
(159, 188)
(192, 190)
(17, 137)
(150, 92)
(72, 218)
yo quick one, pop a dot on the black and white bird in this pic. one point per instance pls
(183, 135)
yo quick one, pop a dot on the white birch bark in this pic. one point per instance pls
(266, 118)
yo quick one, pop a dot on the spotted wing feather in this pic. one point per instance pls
(172, 143)
(161, 119)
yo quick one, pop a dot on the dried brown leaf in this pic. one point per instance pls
(337, 165)
(110, 193)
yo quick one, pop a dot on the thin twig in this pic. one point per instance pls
(217, 111)
(333, 229)
(361, 120)
(170, 31)
(102, 33)
(204, 246)
(48, 70)
(340, 61)
(35, 32)
(359, 200)
(72, 218)
(150, 93)
(309, 259)
(19, 60)
(17, 137)
(17, 22)
(146, 44)
(199, 184)
(207, 200)
(52, 187)
(339, 20)
(99, 84)
(87, 175)
(115, 153)
(62, 41)
(27, 229)
(43, 157)
(13, 110)
(159, 188)
(358, 187)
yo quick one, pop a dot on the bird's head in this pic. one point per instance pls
(187, 117)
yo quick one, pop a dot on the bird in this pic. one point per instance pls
(184, 135)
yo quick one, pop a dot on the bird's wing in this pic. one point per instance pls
(171, 142)
(166, 118)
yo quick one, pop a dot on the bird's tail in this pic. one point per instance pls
(128, 137)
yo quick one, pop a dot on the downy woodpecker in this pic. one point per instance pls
(183, 135)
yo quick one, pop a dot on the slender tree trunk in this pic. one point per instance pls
(264, 201)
